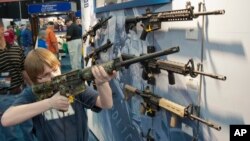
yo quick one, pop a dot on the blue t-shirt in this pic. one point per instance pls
(41, 43)
(26, 38)
(54, 125)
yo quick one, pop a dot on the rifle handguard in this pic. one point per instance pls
(68, 83)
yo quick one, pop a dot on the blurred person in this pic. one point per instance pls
(26, 37)
(17, 31)
(73, 38)
(42, 39)
(9, 35)
(79, 23)
(12, 76)
(51, 38)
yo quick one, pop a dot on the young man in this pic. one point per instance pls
(50, 123)
(12, 76)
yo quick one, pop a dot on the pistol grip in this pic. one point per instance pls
(144, 35)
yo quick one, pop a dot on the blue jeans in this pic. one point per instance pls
(21, 132)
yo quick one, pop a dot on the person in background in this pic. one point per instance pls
(9, 35)
(55, 118)
(79, 23)
(22, 27)
(17, 31)
(42, 39)
(51, 38)
(26, 36)
(12, 76)
(73, 38)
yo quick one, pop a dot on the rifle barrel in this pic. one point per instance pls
(104, 47)
(107, 19)
(148, 56)
(208, 123)
(181, 68)
(219, 77)
(98, 50)
(216, 12)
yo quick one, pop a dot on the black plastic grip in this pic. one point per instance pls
(144, 35)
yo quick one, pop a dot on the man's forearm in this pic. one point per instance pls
(18, 114)
(104, 99)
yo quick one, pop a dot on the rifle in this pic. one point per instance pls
(95, 54)
(152, 21)
(92, 31)
(154, 66)
(72, 83)
(154, 102)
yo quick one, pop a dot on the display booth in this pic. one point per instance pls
(57, 12)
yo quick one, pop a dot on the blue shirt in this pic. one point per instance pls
(26, 38)
(54, 125)
(41, 43)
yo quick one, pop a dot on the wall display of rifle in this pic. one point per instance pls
(152, 21)
(92, 31)
(154, 123)
(154, 102)
(154, 66)
(95, 54)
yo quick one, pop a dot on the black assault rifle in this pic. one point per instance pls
(73, 83)
(92, 31)
(152, 21)
(154, 66)
(153, 103)
(94, 55)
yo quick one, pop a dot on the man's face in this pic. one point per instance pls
(68, 23)
(78, 21)
(48, 74)
(11, 28)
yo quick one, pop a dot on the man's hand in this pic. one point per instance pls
(101, 75)
(59, 102)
